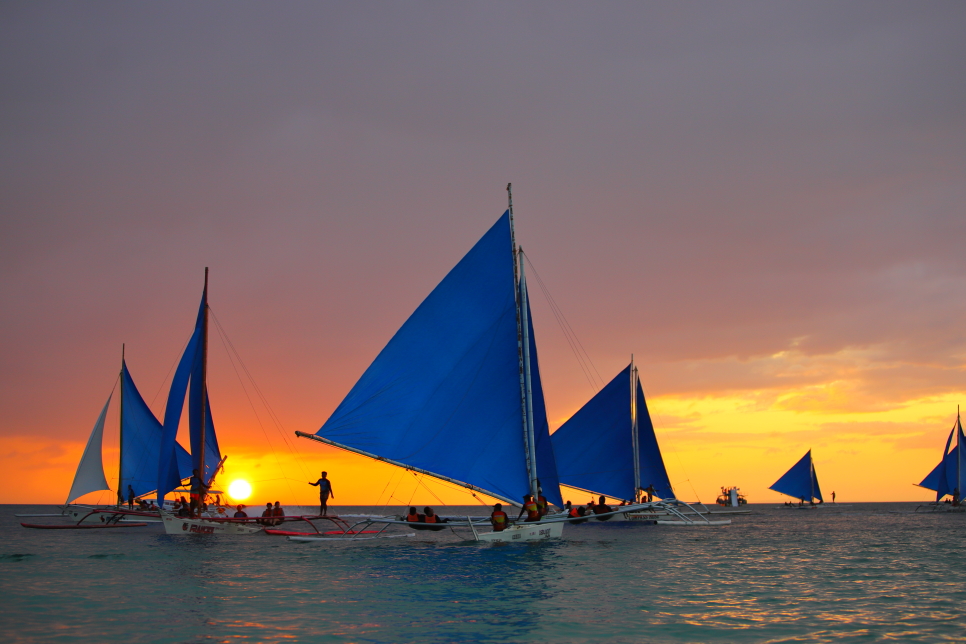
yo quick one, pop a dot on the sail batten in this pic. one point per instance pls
(443, 395)
(90, 471)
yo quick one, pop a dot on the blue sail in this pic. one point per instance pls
(546, 462)
(141, 441)
(943, 478)
(800, 481)
(189, 370)
(444, 394)
(169, 476)
(653, 472)
(595, 447)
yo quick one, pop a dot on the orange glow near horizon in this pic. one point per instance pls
(746, 439)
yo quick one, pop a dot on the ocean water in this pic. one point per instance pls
(861, 573)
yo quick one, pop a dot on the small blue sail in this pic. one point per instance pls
(942, 479)
(801, 481)
(141, 441)
(595, 447)
(444, 394)
(546, 462)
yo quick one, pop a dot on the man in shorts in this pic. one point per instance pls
(325, 491)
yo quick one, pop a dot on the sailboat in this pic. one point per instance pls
(140, 443)
(191, 380)
(456, 394)
(948, 478)
(609, 447)
(800, 483)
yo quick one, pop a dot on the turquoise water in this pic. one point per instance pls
(866, 573)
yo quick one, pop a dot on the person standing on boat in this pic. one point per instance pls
(325, 490)
(130, 497)
(499, 518)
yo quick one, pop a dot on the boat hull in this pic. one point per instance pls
(180, 525)
(523, 532)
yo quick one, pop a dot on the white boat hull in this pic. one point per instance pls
(522, 532)
(179, 525)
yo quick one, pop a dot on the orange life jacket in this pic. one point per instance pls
(499, 519)
(542, 504)
(412, 517)
(432, 519)
(533, 512)
(573, 512)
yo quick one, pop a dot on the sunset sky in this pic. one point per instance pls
(762, 201)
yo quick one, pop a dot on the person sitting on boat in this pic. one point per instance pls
(430, 517)
(413, 516)
(602, 508)
(571, 510)
(267, 515)
(278, 512)
(498, 518)
(240, 513)
(530, 507)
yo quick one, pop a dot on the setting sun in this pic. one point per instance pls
(240, 490)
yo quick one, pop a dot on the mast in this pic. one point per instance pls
(959, 457)
(531, 442)
(635, 444)
(120, 435)
(811, 476)
(204, 389)
(523, 350)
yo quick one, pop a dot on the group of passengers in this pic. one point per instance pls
(427, 516)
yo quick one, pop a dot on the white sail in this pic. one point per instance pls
(90, 471)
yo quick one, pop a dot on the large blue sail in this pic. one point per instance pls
(444, 394)
(800, 481)
(595, 448)
(546, 462)
(943, 478)
(141, 442)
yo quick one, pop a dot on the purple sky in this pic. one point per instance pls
(700, 184)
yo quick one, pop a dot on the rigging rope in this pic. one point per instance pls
(576, 346)
(224, 336)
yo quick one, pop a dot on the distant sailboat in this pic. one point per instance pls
(140, 438)
(948, 478)
(609, 446)
(800, 482)
(456, 394)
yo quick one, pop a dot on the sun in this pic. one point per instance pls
(240, 490)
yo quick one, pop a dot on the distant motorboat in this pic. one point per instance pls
(731, 497)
